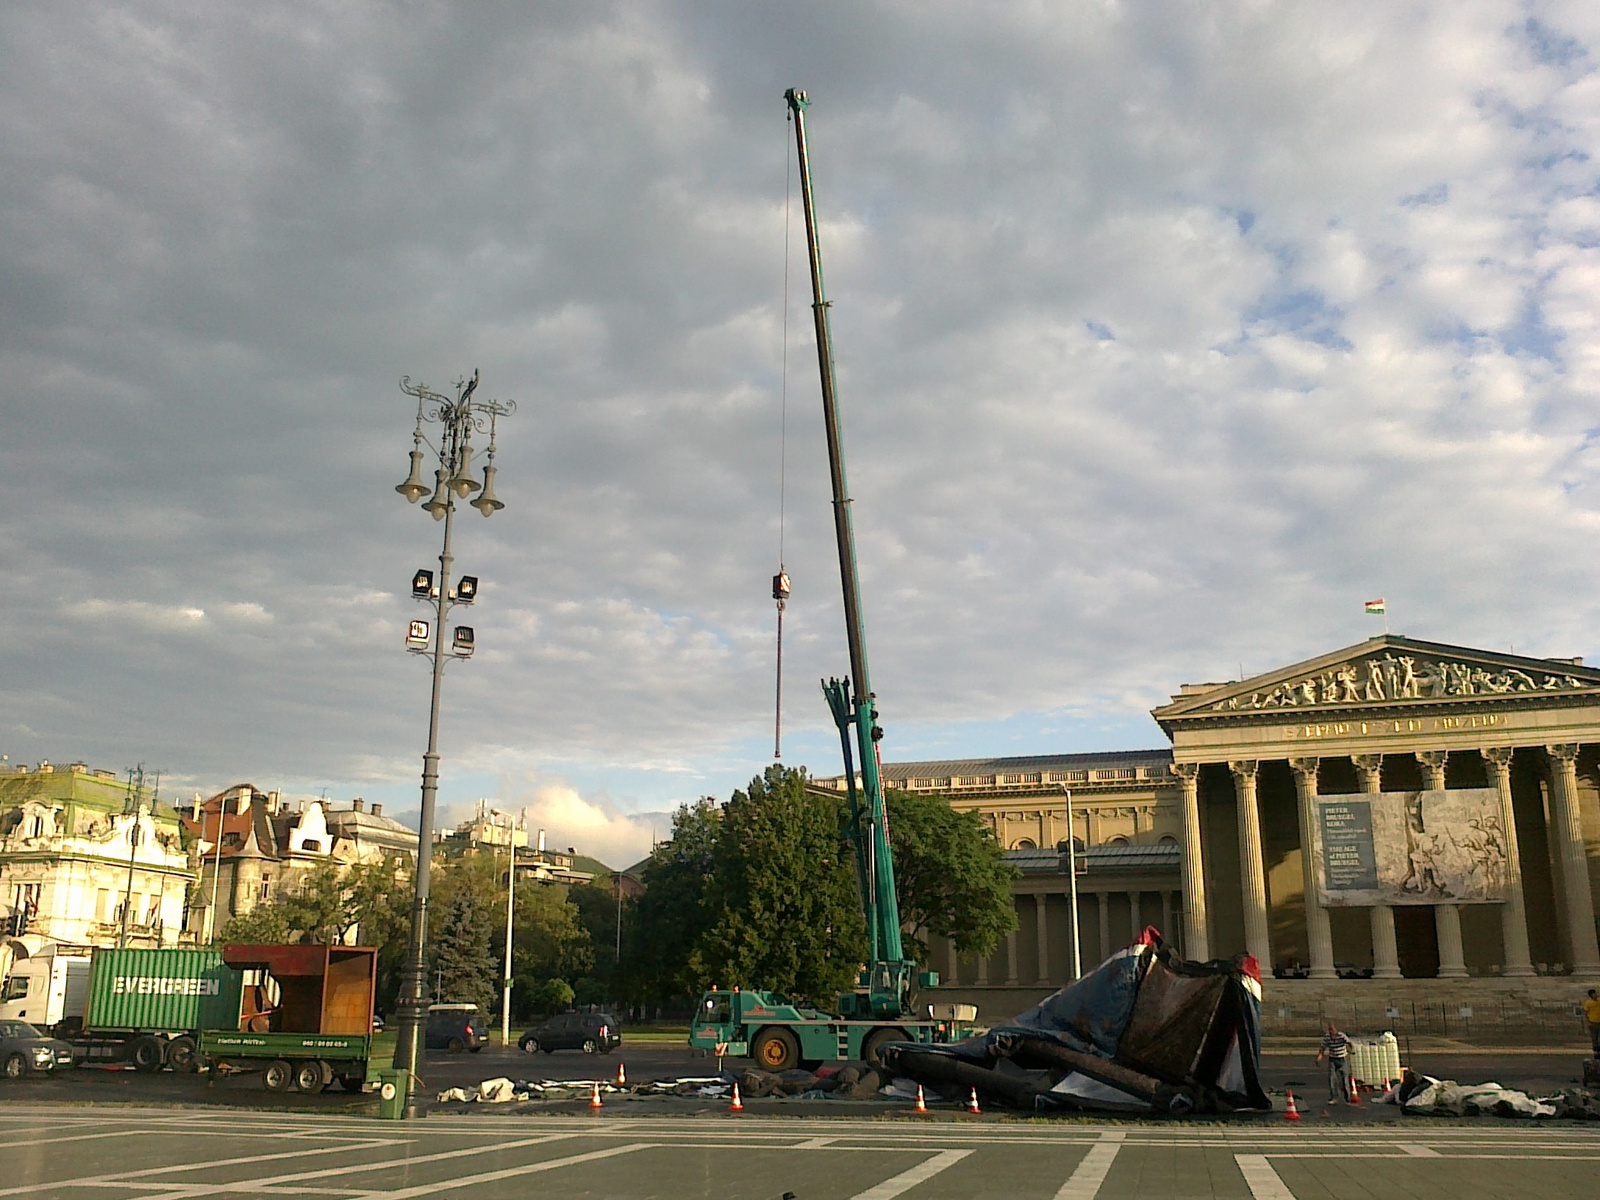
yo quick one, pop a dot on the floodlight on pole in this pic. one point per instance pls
(458, 419)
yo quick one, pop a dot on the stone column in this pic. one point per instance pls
(1385, 952)
(1011, 959)
(1514, 912)
(1585, 955)
(1253, 877)
(1105, 925)
(955, 965)
(1319, 932)
(983, 970)
(1446, 917)
(1135, 919)
(1196, 944)
(1042, 932)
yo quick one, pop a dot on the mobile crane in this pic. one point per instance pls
(766, 1026)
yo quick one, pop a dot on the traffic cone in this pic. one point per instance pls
(972, 1102)
(594, 1096)
(738, 1104)
(922, 1105)
(1290, 1112)
(622, 1075)
(1355, 1093)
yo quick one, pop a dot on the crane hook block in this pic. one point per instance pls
(780, 586)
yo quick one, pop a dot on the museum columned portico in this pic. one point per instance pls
(1405, 825)
(1399, 809)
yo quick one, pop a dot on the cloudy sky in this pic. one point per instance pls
(1167, 335)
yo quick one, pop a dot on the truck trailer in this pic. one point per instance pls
(304, 1016)
(145, 1007)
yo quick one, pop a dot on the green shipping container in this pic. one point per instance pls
(161, 991)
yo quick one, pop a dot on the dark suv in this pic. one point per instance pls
(456, 1027)
(591, 1032)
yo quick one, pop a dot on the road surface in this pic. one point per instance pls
(65, 1152)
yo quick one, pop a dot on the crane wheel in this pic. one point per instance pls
(877, 1040)
(775, 1050)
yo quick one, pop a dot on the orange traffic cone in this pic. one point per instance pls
(738, 1104)
(972, 1102)
(1355, 1093)
(594, 1096)
(1291, 1113)
(622, 1075)
(922, 1105)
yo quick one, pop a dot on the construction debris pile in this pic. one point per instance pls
(1423, 1095)
(1145, 1032)
(856, 1081)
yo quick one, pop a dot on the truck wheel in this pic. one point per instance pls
(183, 1055)
(776, 1049)
(308, 1077)
(352, 1083)
(16, 1067)
(146, 1053)
(878, 1039)
(278, 1076)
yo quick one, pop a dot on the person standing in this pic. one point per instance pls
(1336, 1049)
(1591, 1013)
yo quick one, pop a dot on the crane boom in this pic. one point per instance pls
(851, 700)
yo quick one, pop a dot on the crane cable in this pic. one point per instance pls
(780, 581)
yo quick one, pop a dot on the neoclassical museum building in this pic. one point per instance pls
(1400, 822)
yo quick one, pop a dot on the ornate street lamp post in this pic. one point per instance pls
(458, 420)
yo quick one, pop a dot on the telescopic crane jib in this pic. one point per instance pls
(889, 973)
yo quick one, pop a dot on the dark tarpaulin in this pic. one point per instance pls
(1144, 1031)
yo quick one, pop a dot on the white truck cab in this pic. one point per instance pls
(46, 990)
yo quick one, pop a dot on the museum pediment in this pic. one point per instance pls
(1387, 671)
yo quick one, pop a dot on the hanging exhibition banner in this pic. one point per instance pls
(1437, 847)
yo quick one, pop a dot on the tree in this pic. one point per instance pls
(950, 875)
(461, 958)
(264, 925)
(664, 926)
(328, 904)
(784, 914)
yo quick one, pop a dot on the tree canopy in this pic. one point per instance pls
(782, 905)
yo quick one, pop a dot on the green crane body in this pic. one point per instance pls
(767, 1026)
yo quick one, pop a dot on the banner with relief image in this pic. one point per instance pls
(1433, 847)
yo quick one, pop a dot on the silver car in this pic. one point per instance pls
(23, 1050)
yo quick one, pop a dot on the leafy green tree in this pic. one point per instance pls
(950, 874)
(663, 927)
(784, 913)
(264, 925)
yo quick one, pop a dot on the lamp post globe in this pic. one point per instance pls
(457, 419)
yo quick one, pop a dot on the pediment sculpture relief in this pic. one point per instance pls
(1398, 677)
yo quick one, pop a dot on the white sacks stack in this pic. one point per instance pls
(1375, 1061)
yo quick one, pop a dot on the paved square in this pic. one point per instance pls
(113, 1154)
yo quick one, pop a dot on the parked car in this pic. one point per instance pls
(23, 1049)
(591, 1032)
(455, 1027)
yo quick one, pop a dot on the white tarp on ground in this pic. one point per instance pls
(1447, 1097)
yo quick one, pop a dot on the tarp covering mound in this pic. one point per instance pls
(1146, 1032)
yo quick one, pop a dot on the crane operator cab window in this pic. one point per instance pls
(718, 1010)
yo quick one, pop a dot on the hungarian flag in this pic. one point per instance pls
(1375, 607)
